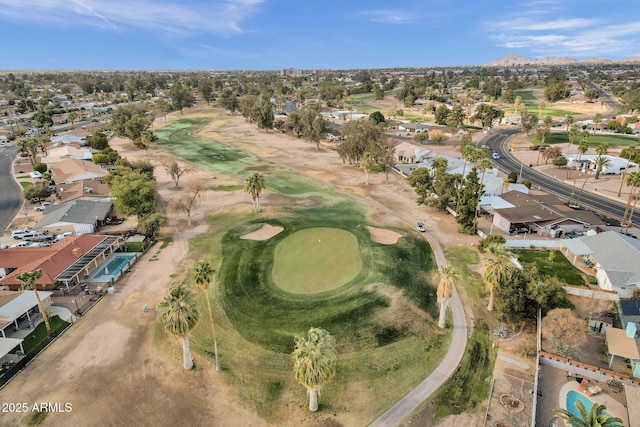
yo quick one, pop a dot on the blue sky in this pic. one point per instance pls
(274, 34)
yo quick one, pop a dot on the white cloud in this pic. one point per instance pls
(181, 18)
(389, 16)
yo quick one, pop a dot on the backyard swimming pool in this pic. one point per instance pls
(575, 396)
(110, 268)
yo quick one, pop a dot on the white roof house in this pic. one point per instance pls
(58, 154)
(616, 258)
(617, 165)
(16, 304)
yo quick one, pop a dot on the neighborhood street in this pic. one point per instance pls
(10, 192)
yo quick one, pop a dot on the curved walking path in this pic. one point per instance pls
(447, 367)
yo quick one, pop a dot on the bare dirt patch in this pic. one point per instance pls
(265, 232)
(384, 236)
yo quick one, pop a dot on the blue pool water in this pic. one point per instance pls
(107, 271)
(573, 397)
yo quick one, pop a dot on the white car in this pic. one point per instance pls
(3, 145)
(495, 156)
(20, 245)
(43, 206)
(21, 234)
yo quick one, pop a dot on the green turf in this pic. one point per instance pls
(531, 103)
(561, 267)
(316, 260)
(594, 140)
(26, 184)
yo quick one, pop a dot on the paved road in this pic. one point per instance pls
(509, 163)
(441, 374)
(10, 192)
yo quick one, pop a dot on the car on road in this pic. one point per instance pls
(21, 234)
(495, 156)
(420, 227)
(3, 145)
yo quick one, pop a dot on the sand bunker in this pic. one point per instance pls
(264, 233)
(384, 236)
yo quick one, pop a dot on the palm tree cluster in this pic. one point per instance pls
(254, 185)
(595, 417)
(497, 270)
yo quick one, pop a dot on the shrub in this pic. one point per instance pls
(491, 238)
(512, 177)
(40, 167)
(526, 183)
(592, 280)
(528, 350)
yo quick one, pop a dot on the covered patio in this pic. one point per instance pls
(621, 345)
(19, 311)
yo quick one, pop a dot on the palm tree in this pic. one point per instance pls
(202, 274)
(573, 132)
(314, 362)
(577, 202)
(445, 290)
(569, 121)
(597, 119)
(633, 181)
(596, 417)
(601, 150)
(631, 152)
(366, 164)
(496, 271)
(254, 186)
(180, 317)
(483, 166)
(541, 106)
(28, 281)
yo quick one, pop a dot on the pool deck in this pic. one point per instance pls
(113, 276)
(614, 407)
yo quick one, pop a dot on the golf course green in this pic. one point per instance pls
(316, 260)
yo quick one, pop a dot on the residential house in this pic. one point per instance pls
(586, 162)
(83, 189)
(64, 263)
(72, 170)
(58, 154)
(413, 127)
(16, 309)
(68, 139)
(410, 153)
(629, 312)
(80, 216)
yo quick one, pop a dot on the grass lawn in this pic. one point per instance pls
(461, 257)
(39, 335)
(26, 184)
(531, 103)
(594, 140)
(316, 260)
(561, 267)
(381, 317)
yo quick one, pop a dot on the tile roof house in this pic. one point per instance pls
(83, 189)
(71, 170)
(80, 216)
(56, 260)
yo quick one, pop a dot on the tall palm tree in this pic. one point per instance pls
(601, 162)
(445, 291)
(366, 164)
(632, 151)
(483, 165)
(601, 150)
(541, 106)
(597, 119)
(569, 121)
(577, 202)
(496, 271)
(254, 186)
(633, 180)
(28, 281)
(180, 317)
(573, 132)
(314, 362)
(596, 417)
(202, 275)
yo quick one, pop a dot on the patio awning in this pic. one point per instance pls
(18, 303)
(577, 246)
(619, 344)
(8, 344)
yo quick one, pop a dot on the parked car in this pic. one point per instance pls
(40, 237)
(20, 245)
(21, 234)
(420, 227)
(43, 206)
(3, 145)
(63, 235)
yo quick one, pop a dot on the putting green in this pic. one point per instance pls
(316, 260)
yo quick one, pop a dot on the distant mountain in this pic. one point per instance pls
(514, 59)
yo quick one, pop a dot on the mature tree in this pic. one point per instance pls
(181, 96)
(456, 116)
(263, 113)
(357, 137)
(133, 192)
(444, 292)
(161, 108)
(422, 182)
(42, 121)
(37, 192)
(468, 202)
(366, 164)
(545, 129)
(541, 106)
(30, 147)
(40, 167)
(569, 121)
(202, 275)
(176, 171)
(314, 362)
(528, 121)
(595, 417)
(206, 89)
(547, 293)
(28, 281)
(439, 137)
(254, 184)
(314, 126)
(421, 137)
(377, 117)
(551, 153)
(633, 181)
(190, 198)
(560, 161)
(98, 140)
(150, 224)
(72, 116)
(564, 329)
(441, 115)
(511, 295)
(601, 161)
(486, 114)
(386, 159)
(180, 316)
(597, 119)
(630, 152)
(496, 271)
(484, 164)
